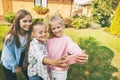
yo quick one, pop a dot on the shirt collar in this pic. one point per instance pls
(35, 40)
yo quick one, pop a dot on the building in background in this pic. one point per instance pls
(82, 7)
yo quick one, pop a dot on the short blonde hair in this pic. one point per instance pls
(36, 23)
(54, 19)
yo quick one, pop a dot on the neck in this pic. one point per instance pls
(23, 33)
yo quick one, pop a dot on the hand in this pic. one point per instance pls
(82, 58)
(61, 62)
(18, 69)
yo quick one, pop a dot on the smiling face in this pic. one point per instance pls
(56, 25)
(40, 33)
(25, 23)
(56, 29)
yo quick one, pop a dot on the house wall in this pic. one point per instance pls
(63, 9)
(60, 1)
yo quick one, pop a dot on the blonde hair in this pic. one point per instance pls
(54, 19)
(34, 24)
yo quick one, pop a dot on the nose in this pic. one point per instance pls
(43, 34)
(29, 23)
(56, 30)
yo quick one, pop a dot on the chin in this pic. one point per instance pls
(27, 29)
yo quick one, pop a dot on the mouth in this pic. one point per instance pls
(27, 27)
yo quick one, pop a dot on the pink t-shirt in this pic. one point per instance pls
(60, 46)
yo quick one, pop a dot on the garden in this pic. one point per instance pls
(98, 35)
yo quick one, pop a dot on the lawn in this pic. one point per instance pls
(104, 39)
(88, 39)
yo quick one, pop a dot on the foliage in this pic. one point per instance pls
(37, 19)
(98, 66)
(103, 10)
(107, 29)
(68, 22)
(41, 10)
(115, 26)
(81, 22)
(9, 17)
(3, 31)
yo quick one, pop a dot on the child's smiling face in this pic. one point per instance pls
(57, 29)
(40, 33)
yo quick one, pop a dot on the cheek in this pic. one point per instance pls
(21, 24)
(53, 31)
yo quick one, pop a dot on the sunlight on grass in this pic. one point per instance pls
(105, 39)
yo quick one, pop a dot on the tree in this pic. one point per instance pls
(103, 10)
(115, 26)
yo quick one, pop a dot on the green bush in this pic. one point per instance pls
(37, 19)
(10, 17)
(41, 10)
(80, 22)
(115, 26)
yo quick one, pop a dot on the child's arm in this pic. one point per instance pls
(77, 55)
(78, 58)
(61, 62)
(82, 58)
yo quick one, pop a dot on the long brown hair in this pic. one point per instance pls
(15, 29)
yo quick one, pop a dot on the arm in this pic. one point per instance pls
(8, 55)
(78, 58)
(77, 55)
(61, 62)
(82, 58)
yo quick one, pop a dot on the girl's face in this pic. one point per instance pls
(25, 23)
(40, 33)
(57, 29)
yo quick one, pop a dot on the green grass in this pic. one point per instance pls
(105, 39)
(107, 44)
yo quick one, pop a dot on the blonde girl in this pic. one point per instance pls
(59, 45)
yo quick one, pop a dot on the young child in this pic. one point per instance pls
(37, 56)
(59, 45)
(15, 45)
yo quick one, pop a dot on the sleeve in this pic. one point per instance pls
(8, 55)
(73, 47)
(35, 54)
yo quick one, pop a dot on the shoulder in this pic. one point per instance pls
(34, 42)
(66, 38)
(9, 38)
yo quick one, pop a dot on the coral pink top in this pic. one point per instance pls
(60, 46)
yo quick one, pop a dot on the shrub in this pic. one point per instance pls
(10, 17)
(38, 19)
(41, 10)
(107, 29)
(115, 26)
(81, 22)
